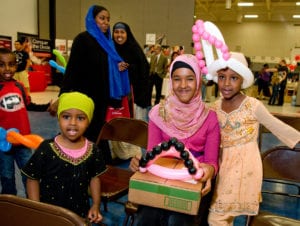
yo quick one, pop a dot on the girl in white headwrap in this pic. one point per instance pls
(238, 185)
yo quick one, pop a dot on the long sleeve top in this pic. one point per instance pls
(205, 141)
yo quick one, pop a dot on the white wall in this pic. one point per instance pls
(261, 39)
(18, 16)
(146, 16)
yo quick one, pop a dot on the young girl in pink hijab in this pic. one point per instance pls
(184, 116)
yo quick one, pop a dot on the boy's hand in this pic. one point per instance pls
(52, 109)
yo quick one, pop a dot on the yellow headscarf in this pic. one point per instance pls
(78, 101)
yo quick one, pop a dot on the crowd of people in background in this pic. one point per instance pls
(272, 83)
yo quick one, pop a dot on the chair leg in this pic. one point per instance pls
(130, 210)
(105, 204)
(248, 220)
(129, 218)
(126, 220)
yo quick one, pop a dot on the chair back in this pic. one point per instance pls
(129, 130)
(16, 211)
(115, 180)
(281, 166)
(282, 163)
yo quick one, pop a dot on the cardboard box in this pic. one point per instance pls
(150, 190)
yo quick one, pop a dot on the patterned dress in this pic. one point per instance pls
(238, 186)
(64, 180)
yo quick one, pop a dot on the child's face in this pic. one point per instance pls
(229, 83)
(73, 123)
(184, 84)
(8, 66)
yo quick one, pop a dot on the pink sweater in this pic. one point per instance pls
(205, 140)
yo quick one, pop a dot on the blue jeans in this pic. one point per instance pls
(21, 155)
(275, 94)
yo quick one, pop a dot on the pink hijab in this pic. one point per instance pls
(178, 119)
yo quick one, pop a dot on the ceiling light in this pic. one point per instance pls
(297, 3)
(245, 3)
(296, 16)
(228, 4)
(251, 16)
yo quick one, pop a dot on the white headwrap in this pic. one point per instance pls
(210, 36)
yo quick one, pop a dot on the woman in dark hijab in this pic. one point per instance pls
(138, 67)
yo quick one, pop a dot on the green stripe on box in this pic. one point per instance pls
(163, 190)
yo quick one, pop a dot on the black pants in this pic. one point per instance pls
(156, 81)
(264, 86)
(281, 93)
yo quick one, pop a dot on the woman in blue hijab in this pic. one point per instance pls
(95, 69)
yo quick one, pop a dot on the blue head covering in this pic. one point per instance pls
(119, 85)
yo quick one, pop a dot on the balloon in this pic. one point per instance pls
(209, 35)
(201, 63)
(224, 49)
(4, 145)
(2, 133)
(204, 70)
(194, 28)
(60, 57)
(199, 23)
(172, 174)
(205, 35)
(56, 66)
(212, 39)
(197, 46)
(12, 136)
(199, 55)
(292, 67)
(32, 141)
(190, 171)
(195, 38)
(218, 44)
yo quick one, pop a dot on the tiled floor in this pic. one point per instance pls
(46, 126)
(50, 93)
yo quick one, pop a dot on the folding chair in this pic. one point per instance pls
(115, 181)
(16, 211)
(281, 165)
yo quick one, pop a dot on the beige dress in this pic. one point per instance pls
(239, 181)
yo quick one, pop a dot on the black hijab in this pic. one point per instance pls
(138, 69)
